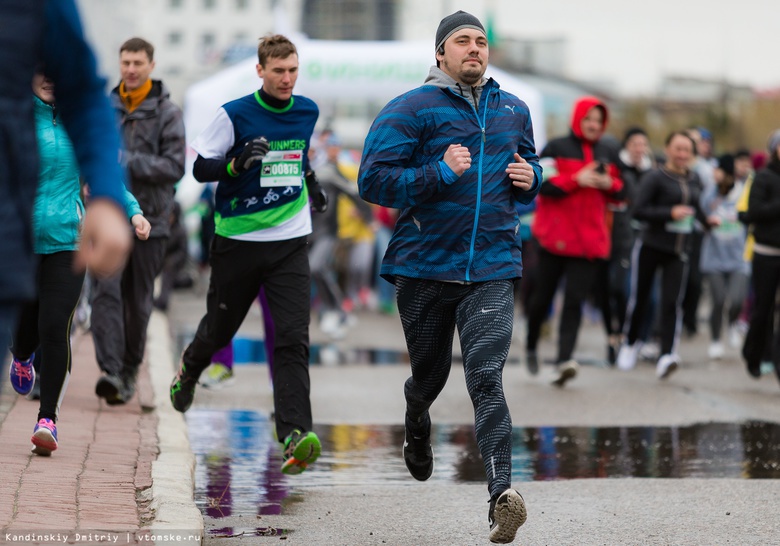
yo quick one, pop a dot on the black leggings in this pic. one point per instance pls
(484, 315)
(46, 322)
(579, 274)
(644, 263)
(765, 281)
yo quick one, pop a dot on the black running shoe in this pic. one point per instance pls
(183, 389)
(506, 514)
(109, 388)
(418, 454)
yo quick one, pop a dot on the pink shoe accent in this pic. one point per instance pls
(44, 437)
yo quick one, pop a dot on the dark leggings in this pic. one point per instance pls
(644, 264)
(484, 314)
(765, 281)
(579, 274)
(46, 322)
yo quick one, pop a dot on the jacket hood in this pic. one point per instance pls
(437, 77)
(581, 109)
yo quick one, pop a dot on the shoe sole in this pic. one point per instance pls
(43, 443)
(566, 375)
(108, 392)
(509, 514)
(670, 369)
(306, 452)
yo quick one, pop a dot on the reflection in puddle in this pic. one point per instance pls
(238, 461)
(252, 350)
(230, 532)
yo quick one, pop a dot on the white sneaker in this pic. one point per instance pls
(649, 351)
(716, 350)
(566, 371)
(626, 359)
(331, 325)
(666, 366)
(735, 336)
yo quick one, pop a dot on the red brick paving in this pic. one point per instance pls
(91, 482)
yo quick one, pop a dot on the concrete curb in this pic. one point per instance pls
(173, 473)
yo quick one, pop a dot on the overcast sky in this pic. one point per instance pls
(633, 44)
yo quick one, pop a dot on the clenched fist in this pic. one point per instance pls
(254, 151)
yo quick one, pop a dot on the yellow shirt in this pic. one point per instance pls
(742, 206)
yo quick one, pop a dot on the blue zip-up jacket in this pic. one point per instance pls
(458, 230)
(58, 208)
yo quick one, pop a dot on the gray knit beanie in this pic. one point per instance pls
(774, 142)
(453, 23)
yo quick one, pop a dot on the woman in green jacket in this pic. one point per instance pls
(45, 323)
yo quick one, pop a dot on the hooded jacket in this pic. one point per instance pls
(154, 153)
(460, 229)
(571, 220)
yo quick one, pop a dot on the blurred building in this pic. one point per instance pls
(192, 38)
(196, 38)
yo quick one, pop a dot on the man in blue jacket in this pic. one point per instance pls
(35, 33)
(455, 155)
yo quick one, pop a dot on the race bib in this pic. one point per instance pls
(681, 226)
(282, 168)
(729, 229)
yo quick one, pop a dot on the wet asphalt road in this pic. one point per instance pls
(363, 403)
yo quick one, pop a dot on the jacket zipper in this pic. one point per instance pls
(481, 124)
(685, 196)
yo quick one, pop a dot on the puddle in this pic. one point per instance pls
(237, 471)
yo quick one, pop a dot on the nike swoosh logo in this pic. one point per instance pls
(487, 310)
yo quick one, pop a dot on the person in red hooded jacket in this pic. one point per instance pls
(571, 228)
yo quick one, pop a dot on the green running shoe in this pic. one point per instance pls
(300, 450)
(183, 389)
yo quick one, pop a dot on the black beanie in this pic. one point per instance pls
(453, 23)
(726, 164)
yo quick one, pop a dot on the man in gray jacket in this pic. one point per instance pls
(153, 153)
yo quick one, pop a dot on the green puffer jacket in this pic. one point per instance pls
(58, 208)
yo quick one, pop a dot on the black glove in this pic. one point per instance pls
(319, 199)
(254, 151)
